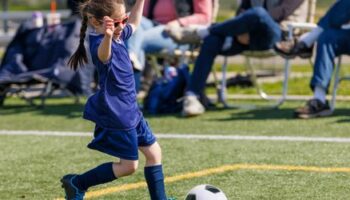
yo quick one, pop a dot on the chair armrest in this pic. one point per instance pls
(302, 25)
(299, 25)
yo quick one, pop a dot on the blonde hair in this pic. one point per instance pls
(98, 9)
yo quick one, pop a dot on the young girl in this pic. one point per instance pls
(120, 127)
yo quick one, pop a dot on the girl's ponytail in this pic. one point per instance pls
(80, 58)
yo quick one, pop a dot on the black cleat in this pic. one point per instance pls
(72, 192)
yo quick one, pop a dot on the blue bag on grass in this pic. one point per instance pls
(164, 93)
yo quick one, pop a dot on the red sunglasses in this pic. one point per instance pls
(123, 21)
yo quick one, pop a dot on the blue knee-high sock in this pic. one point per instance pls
(100, 174)
(155, 181)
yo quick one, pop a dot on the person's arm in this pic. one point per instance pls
(136, 14)
(104, 51)
(285, 9)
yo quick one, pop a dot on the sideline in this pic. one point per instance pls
(217, 170)
(192, 136)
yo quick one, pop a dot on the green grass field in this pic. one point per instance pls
(31, 166)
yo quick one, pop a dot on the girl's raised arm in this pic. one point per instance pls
(105, 48)
(136, 14)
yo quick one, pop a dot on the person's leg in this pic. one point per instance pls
(118, 143)
(330, 44)
(105, 173)
(246, 22)
(76, 185)
(211, 47)
(153, 170)
(150, 39)
(337, 15)
(156, 39)
(265, 33)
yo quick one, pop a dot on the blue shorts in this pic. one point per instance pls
(123, 143)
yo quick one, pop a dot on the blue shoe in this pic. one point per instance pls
(72, 192)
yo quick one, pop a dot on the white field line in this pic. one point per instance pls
(191, 136)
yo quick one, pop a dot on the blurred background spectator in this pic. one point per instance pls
(160, 16)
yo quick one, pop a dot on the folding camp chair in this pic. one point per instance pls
(337, 77)
(35, 62)
(270, 53)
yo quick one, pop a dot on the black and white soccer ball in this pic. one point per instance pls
(205, 192)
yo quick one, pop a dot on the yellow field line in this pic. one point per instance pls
(217, 170)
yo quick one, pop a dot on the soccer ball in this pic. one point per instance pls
(205, 192)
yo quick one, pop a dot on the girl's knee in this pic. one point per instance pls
(153, 154)
(133, 167)
(129, 167)
(154, 158)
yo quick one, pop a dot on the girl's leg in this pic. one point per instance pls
(105, 173)
(125, 167)
(75, 185)
(154, 171)
(153, 154)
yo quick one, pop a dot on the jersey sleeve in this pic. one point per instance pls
(127, 32)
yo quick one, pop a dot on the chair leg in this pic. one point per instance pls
(254, 78)
(154, 65)
(46, 93)
(222, 92)
(221, 88)
(285, 83)
(336, 83)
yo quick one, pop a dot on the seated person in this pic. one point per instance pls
(333, 39)
(256, 27)
(159, 16)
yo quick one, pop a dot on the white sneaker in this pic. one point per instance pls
(184, 35)
(192, 107)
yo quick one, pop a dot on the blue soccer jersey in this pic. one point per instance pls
(114, 105)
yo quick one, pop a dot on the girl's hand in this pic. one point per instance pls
(108, 26)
